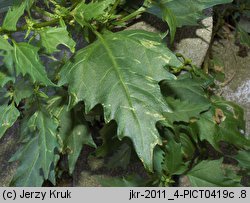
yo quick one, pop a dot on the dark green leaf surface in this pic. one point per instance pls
(200, 175)
(183, 110)
(186, 12)
(79, 136)
(222, 123)
(8, 116)
(121, 71)
(22, 90)
(29, 171)
(173, 162)
(121, 157)
(243, 158)
(38, 151)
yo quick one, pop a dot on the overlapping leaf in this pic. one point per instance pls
(178, 13)
(222, 122)
(38, 151)
(200, 175)
(8, 116)
(183, 111)
(92, 11)
(121, 71)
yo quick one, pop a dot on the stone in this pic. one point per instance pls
(236, 69)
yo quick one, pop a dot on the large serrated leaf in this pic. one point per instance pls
(8, 116)
(200, 175)
(27, 62)
(121, 71)
(243, 158)
(51, 37)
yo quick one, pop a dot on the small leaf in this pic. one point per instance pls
(158, 160)
(27, 62)
(22, 90)
(244, 37)
(185, 88)
(173, 160)
(51, 37)
(13, 15)
(5, 79)
(4, 44)
(8, 116)
(200, 175)
(121, 157)
(93, 10)
(224, 126)
(186, 12)
(129, 181)
(243, 158)
(184, 110)
(79, 136)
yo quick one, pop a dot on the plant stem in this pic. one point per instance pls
(117, 2)
(131, 15)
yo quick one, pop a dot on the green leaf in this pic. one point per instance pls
(127, 66)
(121, 157)
(173, 161)
(158, 160)
(244, 36)
(129, 181)
(4, 79)
(222, 122)
(13, 15)
(27, 62)
(51, 37)
(185, 88)
(8, 116)
(22, 90)
(79, 136)
(38, 151)
(200, 175)
(186, 12)
(4, 44)
(84, 13)
(47, 139)
(183, 111)
(28, 172)
(243, 158)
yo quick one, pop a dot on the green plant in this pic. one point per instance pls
(122, 84)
